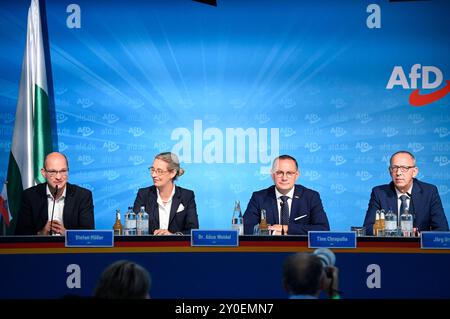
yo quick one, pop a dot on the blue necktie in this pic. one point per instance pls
(403, 206)
(284, 211)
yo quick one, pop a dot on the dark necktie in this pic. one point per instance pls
(403, 206)
(284, 211)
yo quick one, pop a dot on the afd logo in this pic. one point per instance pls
(85, 159)
(262, 118)
(110, 146)
(431, 78)
(136, 159)
(136, 131)
(338, 159)
(363, 146)
(312, 118)
(110, 118)
(364, 175)
(312, 147)
(312, 175)
(416, 147)
(442, 160)
(111, 174)
(62, 146)
(338, 188)
(442, 131)
(85, 131)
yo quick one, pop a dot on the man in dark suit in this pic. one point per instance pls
(421, 199)
(171, 209)
(73, 205)
(290, 209)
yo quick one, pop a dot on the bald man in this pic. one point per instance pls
(74, 208)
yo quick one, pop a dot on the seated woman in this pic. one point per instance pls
(171, 209)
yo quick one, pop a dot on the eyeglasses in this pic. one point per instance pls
(158, 171)
(402, 169)
(281, 174)
(53, 173)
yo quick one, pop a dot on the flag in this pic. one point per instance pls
(32, 139)
(4, 210)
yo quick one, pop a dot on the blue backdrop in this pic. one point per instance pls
(230, 87)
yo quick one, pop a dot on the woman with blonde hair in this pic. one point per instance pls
(171, 208)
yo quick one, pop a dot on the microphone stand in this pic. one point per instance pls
(53, 210)
(282, 228)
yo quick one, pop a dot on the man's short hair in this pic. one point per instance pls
(403, 152)
(123, 280)
(302, 274)
(284, 157)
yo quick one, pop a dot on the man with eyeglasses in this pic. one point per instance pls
(290, 209)
(405, 191)
(73, 205)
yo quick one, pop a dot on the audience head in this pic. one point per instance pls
(303, 274)
(123, 280)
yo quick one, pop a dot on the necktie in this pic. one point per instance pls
(403, 206)
(284, 211)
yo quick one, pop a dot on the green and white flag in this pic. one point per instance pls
(32, 139)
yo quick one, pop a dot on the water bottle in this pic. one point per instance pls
(142, 222)
(130, 222)
(117, 227)
(390, 224)
(376, 225)
(382, 223)
(406, 224)
(263, 226)
(237, 222)
(125, 223)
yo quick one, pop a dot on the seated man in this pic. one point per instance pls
(290, 209)
(73, 206)
(406, 192)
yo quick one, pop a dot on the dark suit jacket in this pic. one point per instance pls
(425, 205)
(78, 210)
(305, 202)
(182, 221)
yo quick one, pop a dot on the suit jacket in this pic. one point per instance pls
(78, 212)
(179, 221)
(306, 211)
(425, 205)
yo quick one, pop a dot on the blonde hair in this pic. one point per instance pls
(173, 162)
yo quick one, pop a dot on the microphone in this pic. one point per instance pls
(53, 210)
(412, 211)
(327, 257)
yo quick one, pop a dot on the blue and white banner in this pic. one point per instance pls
(340, 85)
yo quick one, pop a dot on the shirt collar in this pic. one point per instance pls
(49, 194)
(289, 194)
(400, 193)
(159, 199)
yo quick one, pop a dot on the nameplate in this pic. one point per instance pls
(330, 239)
(89, 238)
(435, 240)
(214, 238)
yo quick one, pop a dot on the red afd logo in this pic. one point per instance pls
(431, 78)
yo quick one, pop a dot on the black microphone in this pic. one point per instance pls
(53, 210)
(412, 211)
(282, 228)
